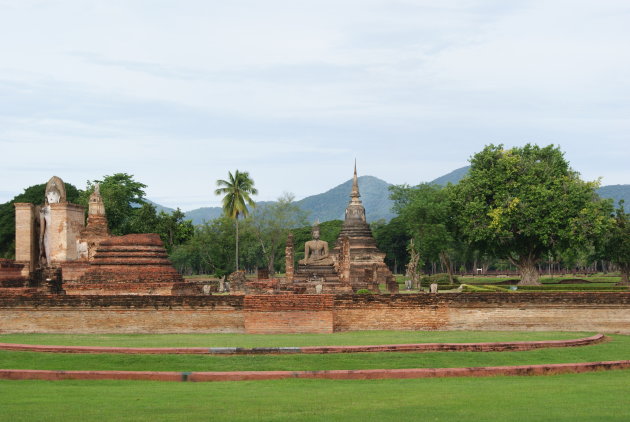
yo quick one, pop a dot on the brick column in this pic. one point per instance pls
(26, 239)
(67, 221)
(289, 259)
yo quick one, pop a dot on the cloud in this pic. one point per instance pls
(178, 93)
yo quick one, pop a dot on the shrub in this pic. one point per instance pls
(364, 292)
(440, 279)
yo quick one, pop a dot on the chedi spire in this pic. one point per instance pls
(355, 210)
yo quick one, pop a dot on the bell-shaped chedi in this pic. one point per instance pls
(367, 262)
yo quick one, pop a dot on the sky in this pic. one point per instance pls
(178, 93)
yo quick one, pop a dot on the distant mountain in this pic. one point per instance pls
(160, 208)
(453, 177)
(332, 204)
(616, 193)
(199, 215)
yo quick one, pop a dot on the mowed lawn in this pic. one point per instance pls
(599, 396)
(285, 340)
(618, 348)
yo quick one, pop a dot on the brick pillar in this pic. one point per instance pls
(26, 239)
(344, 260)
(66, 222)
(289, 259)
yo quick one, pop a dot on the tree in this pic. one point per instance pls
(237, 190)
(425, 211)
(617, 243)
(122, 196)
(206, 251)
(392, 238)
(521, 204)
(173, 229)
(271, 224)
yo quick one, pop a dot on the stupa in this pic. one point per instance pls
(367, 262)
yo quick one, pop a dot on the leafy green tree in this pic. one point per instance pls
(271, 224)
(392, 238)
(616, 245)
(34, 195)
(121, 196)
(521, 204)
(206, 252)
(425, 211)
(173, 229)
(236, 190)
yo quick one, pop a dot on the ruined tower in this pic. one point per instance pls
(367, 262)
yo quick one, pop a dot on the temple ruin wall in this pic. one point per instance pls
(601, 312)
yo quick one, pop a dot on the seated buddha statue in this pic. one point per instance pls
(316, 250)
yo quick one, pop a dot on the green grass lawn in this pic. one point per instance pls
(570, 397)
(616, 349)
(585, 397)
(349, 338)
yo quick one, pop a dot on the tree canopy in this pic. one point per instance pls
(522, 203)
(122, 196)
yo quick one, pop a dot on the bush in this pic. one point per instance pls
(440, 279)
(364, 292)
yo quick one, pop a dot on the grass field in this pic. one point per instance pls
(616, 349)
(583, 397)
(284, 340)
(600, 396)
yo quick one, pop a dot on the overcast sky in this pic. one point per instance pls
(178, 93)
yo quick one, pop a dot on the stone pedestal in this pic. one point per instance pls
(315, 279)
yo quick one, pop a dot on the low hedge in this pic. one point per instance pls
(574, 288)
(440, 279)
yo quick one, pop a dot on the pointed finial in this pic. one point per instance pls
(355, 182)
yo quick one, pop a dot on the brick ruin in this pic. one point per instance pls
(56, 252)
(367, 263)
(356, 261)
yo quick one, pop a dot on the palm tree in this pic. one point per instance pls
(237, 190)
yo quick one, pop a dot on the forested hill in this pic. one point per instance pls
(453, 177)
(616, 192)
(331, 204)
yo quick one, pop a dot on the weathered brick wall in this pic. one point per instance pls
(608, 312)
(271, 314)
(605, 312)
(122, 314)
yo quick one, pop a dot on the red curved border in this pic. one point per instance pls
(360, 374)
(420, 347)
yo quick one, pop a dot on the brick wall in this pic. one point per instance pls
(605, 312)
(273, 314)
